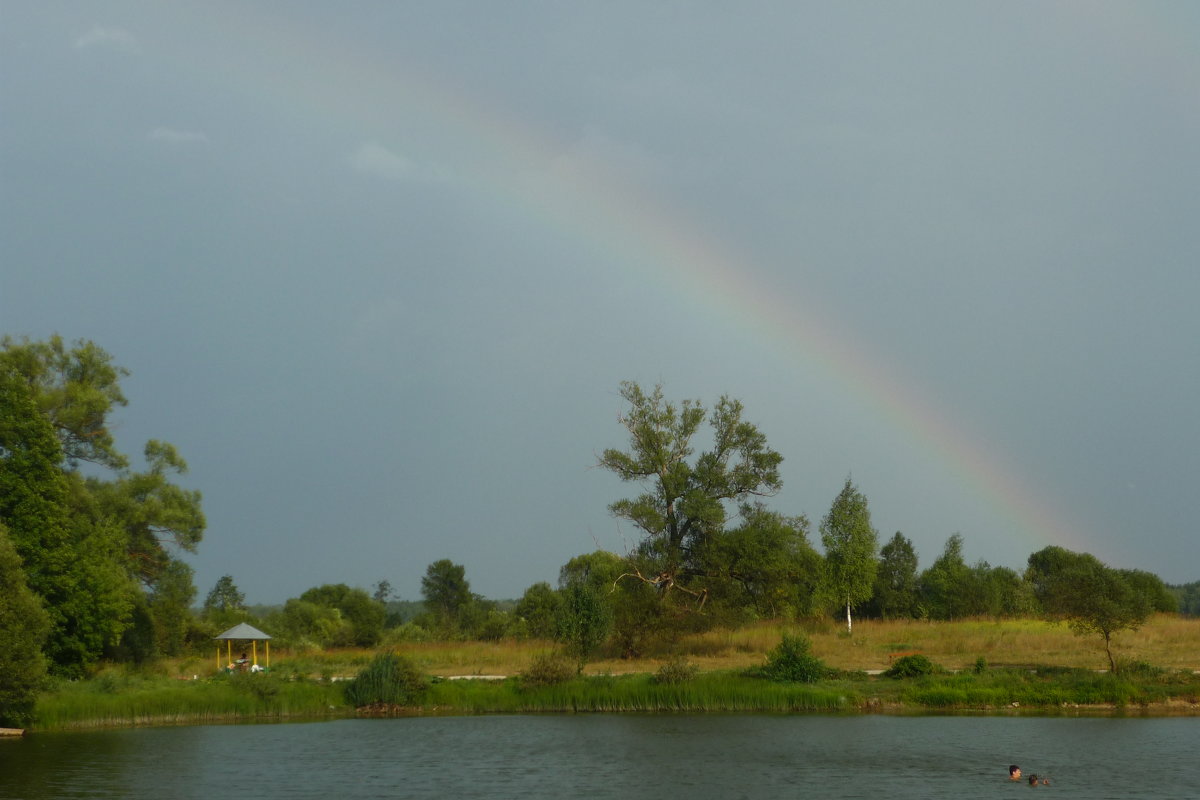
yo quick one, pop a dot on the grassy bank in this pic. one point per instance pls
(1040, 691)
(1028, 665)
(116, 698)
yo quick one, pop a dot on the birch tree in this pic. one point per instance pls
(851, 549)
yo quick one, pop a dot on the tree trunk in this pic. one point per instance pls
(849, 628)
(1112, 665)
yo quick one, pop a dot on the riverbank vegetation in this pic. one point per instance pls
(980, 666)
(98, 618)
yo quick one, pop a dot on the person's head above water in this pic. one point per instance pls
(1014, 772)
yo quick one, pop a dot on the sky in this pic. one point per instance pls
(378, 269)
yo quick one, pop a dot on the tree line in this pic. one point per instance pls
(92, 569)
(711, 553)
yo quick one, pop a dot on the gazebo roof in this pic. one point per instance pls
(242, 631)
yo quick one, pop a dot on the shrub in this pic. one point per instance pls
(549, 669)
(677, 670)
(793, 661)
(911, 667)
(261, 685)
(391, 679)
(980, 665)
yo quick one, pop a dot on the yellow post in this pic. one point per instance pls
(218, 658)
(254, 645)
(229, 651)
(268, 646)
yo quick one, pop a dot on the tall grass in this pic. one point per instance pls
(641, 693)
(1165, 641)
(140, 701)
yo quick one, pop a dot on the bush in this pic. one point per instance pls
(390, 679)
(793, 661)
(549, 669)
(261, 685)
(676, 671)
(911, 667)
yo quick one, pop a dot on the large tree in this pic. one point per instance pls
(122, 528)
(851, 549)
(683, 504)
(73, 563)
(1090, 596)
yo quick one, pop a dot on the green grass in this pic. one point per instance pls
(109, 701)
(717, 691)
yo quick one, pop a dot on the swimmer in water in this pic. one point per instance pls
(1014, 773)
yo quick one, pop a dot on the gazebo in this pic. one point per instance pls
(242, 633)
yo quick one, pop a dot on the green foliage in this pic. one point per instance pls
(307, 625)
(683, 504)
(363, 615)
(638, 618)
(1187, 597)
(766, 564)
(944, 585)
(446, 591)
(952, 590)
(74, 564)
(676, 671)
(170, 607)
(390, 679)
(851, 549)
(911, 667)
(539, 607)
(549, 669)
(598, 570)
(792, 661)
(224, 596)
(23, 629)
(151, 510)
(895, 594)
(583, 622)
(95, 547)
(1091, 597)
(1151, 587)
(75, 390)
(981, 666)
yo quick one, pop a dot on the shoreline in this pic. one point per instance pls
(867, 707)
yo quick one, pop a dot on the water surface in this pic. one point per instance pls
(615, 756)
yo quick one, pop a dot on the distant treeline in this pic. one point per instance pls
(1188, 597)
(91, 568)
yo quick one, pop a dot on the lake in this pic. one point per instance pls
(615, 756)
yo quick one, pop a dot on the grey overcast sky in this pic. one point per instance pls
(379, 268)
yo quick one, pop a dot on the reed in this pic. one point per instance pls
(711, 692)
(138, 701)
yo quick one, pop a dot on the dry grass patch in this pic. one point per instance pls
(1165, 641)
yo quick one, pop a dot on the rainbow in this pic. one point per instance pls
(511, 163)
